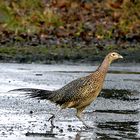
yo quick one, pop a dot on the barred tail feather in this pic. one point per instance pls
(37, 93)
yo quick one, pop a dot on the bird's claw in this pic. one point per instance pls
(88, 127)
(51, 119)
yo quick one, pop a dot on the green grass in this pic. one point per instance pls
(43, 54)
(27, 16)
(33, 16)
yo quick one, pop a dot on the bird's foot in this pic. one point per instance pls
(87, 127)
(51, 119)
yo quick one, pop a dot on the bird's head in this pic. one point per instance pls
(113, 56)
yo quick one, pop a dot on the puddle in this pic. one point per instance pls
(120, 94)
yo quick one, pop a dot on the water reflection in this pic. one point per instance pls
(78, 137)
(120, 94)
(118, 111)
(49, 133)
(118, 129)
(111, 130)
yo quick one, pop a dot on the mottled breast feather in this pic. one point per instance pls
(80, 89)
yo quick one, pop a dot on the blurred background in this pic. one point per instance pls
(50, 31)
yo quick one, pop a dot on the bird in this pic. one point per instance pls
(79, 93)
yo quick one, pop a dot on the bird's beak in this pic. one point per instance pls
(120, 56)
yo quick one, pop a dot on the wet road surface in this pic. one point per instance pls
(114, 115)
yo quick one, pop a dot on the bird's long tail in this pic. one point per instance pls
(38, 93)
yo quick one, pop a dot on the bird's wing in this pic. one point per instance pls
(73, 91)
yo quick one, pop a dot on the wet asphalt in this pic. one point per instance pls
(114, 115)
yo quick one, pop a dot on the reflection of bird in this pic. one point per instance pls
(79, 93)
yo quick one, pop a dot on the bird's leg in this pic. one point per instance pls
(78, 115)
(51, 119)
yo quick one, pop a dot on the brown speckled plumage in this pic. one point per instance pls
(79, 93)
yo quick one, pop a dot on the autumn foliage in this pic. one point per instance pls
(63, 18)
(82, 26)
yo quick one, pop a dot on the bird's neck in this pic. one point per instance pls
(104, 66)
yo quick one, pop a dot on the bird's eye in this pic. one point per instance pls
(113, 54)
